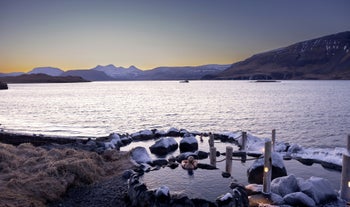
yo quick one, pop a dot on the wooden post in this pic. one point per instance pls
(229, 151)
(345, 174)
(211, 140)
(267, 168)
(348, 145)
(244, 140)
(213, 156)
(273, 139)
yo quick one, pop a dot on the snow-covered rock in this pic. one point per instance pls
(173, 132)
(319, 189)
(140, 155)
(255, 172)
(163, 146)
(143, 135)
(162, 191)
(188, 144)
(115, 142)
(299, 199)
(285, 185)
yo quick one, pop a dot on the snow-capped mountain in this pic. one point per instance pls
(120, 73)
(47, 70)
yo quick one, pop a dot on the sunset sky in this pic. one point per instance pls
(80, 34)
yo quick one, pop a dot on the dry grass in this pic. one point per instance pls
(32, 176)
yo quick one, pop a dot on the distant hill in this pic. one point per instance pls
(180, 73)
(321, 58)
(47, 70)
(90, 75)
(40, 78)
(11, 74)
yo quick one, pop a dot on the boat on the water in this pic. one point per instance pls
(3, 86)
(184, 81)
(266, 81)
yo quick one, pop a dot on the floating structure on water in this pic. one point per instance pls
(3, 86)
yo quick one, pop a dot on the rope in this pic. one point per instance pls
(237, 159)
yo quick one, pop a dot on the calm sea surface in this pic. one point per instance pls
(310, 113)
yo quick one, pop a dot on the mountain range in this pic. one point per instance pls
(111, 72)
(326, 57)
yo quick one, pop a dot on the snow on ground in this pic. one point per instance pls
(256, 145)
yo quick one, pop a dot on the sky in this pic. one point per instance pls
(80, 34)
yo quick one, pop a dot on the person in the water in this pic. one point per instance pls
(190, 163)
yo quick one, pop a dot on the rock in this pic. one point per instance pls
(276, 199)
(3, 86)
(173, 132)
(240, 196)
(253, 189)
(255, 172)
(114, 142)
(188, 144)
(294, 148)
(180, 200)
(185, 155)
(285, 185)
(143, 135)
(140, 155)
(225, 200)
(225, 174)
(126, 140)
(202, 154)
(173, 165)
(197, 202)
(319, 189)
(159, 133)
(298, 199)
(127, 174)
(163, 146)
(206, 166)
(160, 162)
(162, 195)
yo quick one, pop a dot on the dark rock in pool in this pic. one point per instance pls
(3, 86)
(163, 146)
(255, 172)
(160, 162)
(206, 166)
(173, 165)
(202, 154)
(226, 174)
(188, 144)
(185, 155)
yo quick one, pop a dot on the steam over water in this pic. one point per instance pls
(310, 113)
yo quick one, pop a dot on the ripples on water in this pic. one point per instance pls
(311, 113)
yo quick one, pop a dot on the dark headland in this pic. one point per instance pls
(41, 78)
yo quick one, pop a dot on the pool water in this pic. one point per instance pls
(209, 184)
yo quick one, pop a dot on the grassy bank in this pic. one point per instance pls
(33, 176)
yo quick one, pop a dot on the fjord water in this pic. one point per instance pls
(309, 113)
